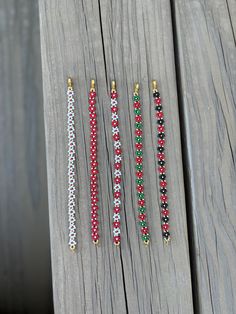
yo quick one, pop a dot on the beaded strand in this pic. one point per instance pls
(161, 163)
(139, 166)
(71, 164)
(93, 165)
(117, 165)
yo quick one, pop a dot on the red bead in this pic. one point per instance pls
(163, 184)
(141, 202)
(161, 156)
(118, 151)
(161, 142)
(165, 226)
(94, 208)
(138, 118)
(94, 200)
(165, 212)
(116, 137)
(116, 209)
(139, 160)
(142, 216)
(117, 180)
(138, 132)
(94, 171)
(144, 230)
(161, 129)
(92, 108)
(160, 114)
(117, 194)
(115, 123)
(94, 222)
(93, 193)
(93, 186)
(93, 122)
(139, 145)
(114, 109)
(140, 188)
(92, 102)
(116, 239)
(139, 174)
(94, 164)
(164, 198)
(157, 101)
(93, 115)
(114, 95)
(116, 224)
(162, 169)
(95, 237)
(137, 104)
(94, 215)
(117, 165)
(92, 94)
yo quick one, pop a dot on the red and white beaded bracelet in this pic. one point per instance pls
(161, 162)
(117, 165)
(93, 165)
(71, 164)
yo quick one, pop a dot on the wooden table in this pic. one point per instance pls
(189, 47)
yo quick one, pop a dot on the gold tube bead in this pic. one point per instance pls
(69, 82)
(136, 88)
(154, 85)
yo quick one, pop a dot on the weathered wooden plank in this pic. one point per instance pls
(207, 74)
(25, 285)
(129, 41)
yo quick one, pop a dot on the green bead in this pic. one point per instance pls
(136, 98)
(141, 196)
(139, 181)
(143, 223)
(139, 139)
(138, 125)
(145, 237)
(139, 153)
(137, 112)
(142, 210)
(139, 167)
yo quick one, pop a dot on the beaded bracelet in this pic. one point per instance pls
(117, 165)
(93, 164)
(161, 162)
(71, 164)
(139, 166)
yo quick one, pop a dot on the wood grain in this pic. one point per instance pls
(129, 41)
(25, 285)
(206, 49)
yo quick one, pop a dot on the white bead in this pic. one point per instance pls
(117, 187)
(117, 201)
(117, 173)
(118, 158)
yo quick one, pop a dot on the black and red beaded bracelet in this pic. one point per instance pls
(161, 162)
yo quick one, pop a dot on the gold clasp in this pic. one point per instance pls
(113, 86)
(92, 86)
(154, 85)
(136, 88)
(69, 82)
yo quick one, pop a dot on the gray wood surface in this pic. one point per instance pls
(206, 46)
(128, 41)
(25, 275)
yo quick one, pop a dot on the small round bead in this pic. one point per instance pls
(163, 184)
(164, 205)
(161, 162)
(160, 149)
(160, 121)
(166, 234)
(165, 219)
(136, 98)
(163, 190)
(156, 94)
(165, 212)
(138, 125)
(157, 101)
(158, 108)
(142, 210)
(162, 176)
(165, 226)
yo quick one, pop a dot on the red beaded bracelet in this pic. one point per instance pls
(93, 164)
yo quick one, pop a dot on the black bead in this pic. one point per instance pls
(164, 205)
(158, 108)
(162, 176)
(163, 190)
(166, 234)
(160, 149)
(156, 94)
(160, 121)
(165, 219)
(161, 162)
(161, 135)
